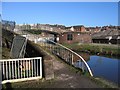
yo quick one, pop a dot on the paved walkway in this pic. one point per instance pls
(67, 77)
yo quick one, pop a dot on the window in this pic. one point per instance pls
(69, 37)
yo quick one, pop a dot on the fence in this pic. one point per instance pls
(22, 69)
(66, 54)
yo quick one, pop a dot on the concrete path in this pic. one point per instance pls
(67, 77)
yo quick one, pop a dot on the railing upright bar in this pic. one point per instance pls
(12, 70)
(18, 69)
(29, 68)
(15, 69)
(20, 64)
(41, 67)
(69, 57)
(32, 67)
(37, 66)
(63, 53)
(9, 70)
(23, 69)
(3, 69)
(72, 59)
(83, 67)
(6, 71)
(26, 67)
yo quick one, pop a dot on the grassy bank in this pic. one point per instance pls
(33, 31)
(100, 49)
(5, 53)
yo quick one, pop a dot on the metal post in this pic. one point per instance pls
(9, 70)
(15, 69)
(3, 70)
(12, 70)
(23, 69)
(37, 67)
(63, 53)
(82, 66)
(72, 59)
(27, 64)
(29, 69)
(32, 67)
(41, 67)
(18, 69)
(6, 71)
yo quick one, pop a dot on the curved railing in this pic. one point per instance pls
(66, 54)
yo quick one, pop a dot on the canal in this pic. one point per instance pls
(103, 67)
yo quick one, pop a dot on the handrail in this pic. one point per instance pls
(20, 59)
(75, 54)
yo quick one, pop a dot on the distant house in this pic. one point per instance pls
(115, 39)
(107, 36)
(74, 37)
(8, 25)
(93, 30)
(78, 28)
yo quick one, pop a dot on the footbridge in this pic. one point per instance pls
(66, 54)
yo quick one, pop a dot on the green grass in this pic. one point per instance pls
(33, 31)
(5, 53)
(105, 49)
(104, 83)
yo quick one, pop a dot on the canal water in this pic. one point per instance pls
(104, 67)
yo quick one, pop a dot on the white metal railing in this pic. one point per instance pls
(14, 70)
(66, 54)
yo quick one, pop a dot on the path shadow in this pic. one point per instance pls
(8, 86)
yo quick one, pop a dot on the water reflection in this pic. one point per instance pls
(77, 61)
(86, 56)
(103, 67)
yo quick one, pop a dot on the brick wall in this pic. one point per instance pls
(77, 38)
(83, 29)
(79, 29)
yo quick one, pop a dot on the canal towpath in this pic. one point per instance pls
(65, 77)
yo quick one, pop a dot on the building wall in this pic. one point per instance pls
(106, 41)
(79, 29)
(83, 29)
(77, 38)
